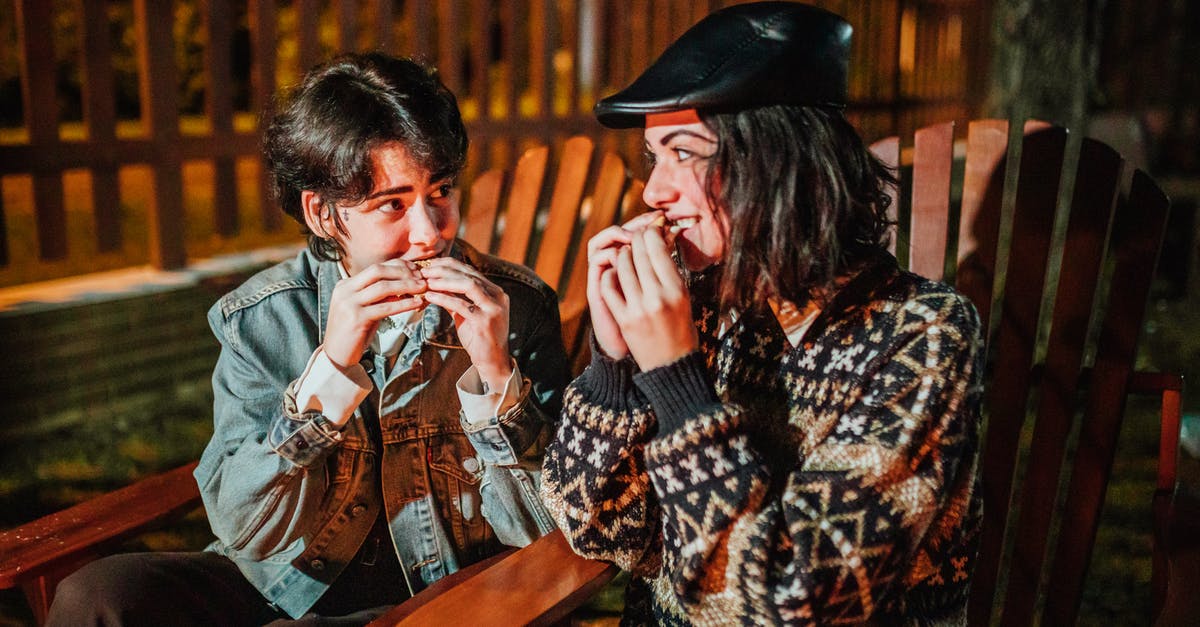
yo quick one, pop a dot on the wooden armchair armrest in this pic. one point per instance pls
(1169, 388)
(537, 585)
(38, 554)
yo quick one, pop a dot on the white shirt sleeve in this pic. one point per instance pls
(328, 389)
(480, 404)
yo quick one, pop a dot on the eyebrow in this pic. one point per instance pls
(391, 191)
(673, 134)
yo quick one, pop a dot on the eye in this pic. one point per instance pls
(442, 192)
(391, 205)
(683, 154)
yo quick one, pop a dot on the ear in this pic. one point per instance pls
(317, 214)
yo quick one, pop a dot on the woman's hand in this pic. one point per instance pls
(602, 256)
(359, 302)
(480, 311)
(647, 299)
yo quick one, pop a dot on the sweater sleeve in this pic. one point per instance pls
(594, 479)
(874, 483)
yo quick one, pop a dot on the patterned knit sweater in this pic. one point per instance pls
(756, 483)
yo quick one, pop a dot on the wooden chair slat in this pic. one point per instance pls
(1037, 191)
(1137, 235)
(606, 198)
(979, 219)
(564, 208)
(1083, 251)
(480, 221)
(933, 157)
(632, 204)
(608, 195)
(523, 204)
(887, 150)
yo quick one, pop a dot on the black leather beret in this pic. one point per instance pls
(747, 55)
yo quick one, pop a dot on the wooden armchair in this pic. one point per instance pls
(1077, 378)
(524, 216)
(1085, 295)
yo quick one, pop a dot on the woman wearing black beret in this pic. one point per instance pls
(778, 425)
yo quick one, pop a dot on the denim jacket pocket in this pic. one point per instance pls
(455, 473)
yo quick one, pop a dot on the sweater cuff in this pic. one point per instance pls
(609, 382)
(678, 391)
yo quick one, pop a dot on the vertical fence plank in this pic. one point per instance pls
(346, 15)
(218, 93)
(512, 17)
(588, 61)
(480, 45)
(568, 42)
(263, 31)
(620, 38)
(416, 25)
(160, 112)
(308, 41)
(661, 34)
(384, 37)
(541, 71)
(99, 108)
(449, 45)
(639, 41)
(35, 19)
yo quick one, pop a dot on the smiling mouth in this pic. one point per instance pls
(676, 226)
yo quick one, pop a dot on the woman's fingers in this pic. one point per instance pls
(664, 268)
(608, 239)
(642, 221)
(627, 276)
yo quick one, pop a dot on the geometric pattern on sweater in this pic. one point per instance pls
(830, 483)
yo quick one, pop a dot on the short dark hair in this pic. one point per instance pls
(807, 201)
(321, 138)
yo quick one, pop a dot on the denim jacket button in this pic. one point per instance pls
(358, 510)
(317, 565)
(470, 464)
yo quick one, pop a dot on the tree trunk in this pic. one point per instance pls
(1044, 59)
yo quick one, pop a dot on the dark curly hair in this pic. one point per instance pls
(322, 136)
(807, 202)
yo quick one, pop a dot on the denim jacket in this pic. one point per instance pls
(291, 499)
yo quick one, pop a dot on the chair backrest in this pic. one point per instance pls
(1064, 309)
(544, 221)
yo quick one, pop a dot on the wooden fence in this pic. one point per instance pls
(104, 192)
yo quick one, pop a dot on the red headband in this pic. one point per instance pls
(671, 118)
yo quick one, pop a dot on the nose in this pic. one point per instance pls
(659, 190)
(423, 228)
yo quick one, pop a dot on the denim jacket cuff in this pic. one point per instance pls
(303, 438)
(498, 440)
